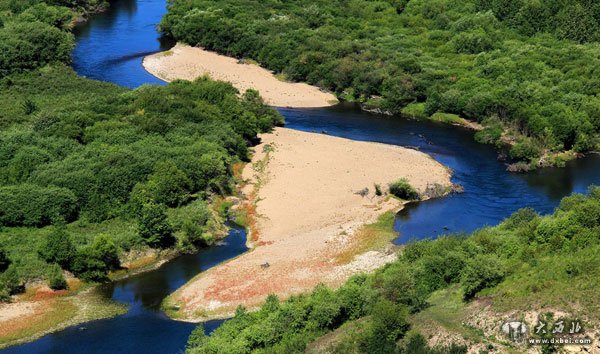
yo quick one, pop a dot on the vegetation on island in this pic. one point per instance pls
(526, 70)
(403, 190)
(528, 262)
(90, 171)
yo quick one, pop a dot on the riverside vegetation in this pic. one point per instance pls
(527, 70)
(528, 262)
(90, 171)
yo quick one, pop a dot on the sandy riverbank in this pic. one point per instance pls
(41, 311)
(187, 63)
(302, 192)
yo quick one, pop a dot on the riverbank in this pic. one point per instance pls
(188, 63)
(308, 197)
(41, 311)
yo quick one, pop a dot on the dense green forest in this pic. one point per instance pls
(527, 262)
(528, 70)
(89, 170)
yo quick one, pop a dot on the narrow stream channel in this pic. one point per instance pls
(110, 47)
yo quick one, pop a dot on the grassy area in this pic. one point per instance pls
(372, 236)
(448, 118)
(25, 242)
(447, 310)
(55, 311)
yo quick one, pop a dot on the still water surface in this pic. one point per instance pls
(110, 47)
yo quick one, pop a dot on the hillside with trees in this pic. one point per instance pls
(527, 71)
(90, 171)
(527, 263)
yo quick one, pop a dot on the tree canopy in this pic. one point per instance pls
(527, 66)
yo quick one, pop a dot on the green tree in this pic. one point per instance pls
(93, 262)
(483, 271)
(56, 278)
(388, 324)
(168, 184)
(105, 249)
(58, 248)
(154, 227)
(11, 282)
(197, 338)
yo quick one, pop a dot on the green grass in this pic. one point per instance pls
(414, 110)
(448, 118)
(448, 310)
(58, 313)
(371, 236)
(549, 285)
(23, 243)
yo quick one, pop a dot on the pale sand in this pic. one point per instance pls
(308, 213)
(187, 63)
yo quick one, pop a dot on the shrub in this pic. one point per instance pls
(403, 190)
(525, 149)
(58, 248)
(388, 324)
(483, 271)
(11, 282)
(32, 205)
(519, 218)
(4, 260)
(154, 227)
(56, 278)
(414, 110)
(378, 191)
(93, 262)
(168, 185)
(197, 338)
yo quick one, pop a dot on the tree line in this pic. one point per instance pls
(89, 169)
(527, 262)
(531, 80)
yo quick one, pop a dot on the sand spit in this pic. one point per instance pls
(303, 190)
(187, 63)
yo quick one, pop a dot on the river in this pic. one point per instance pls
(110, 47)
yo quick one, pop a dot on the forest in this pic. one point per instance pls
(526, 261)
(527, 70)
(90, 171)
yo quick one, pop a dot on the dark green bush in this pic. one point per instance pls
(154, 227)
(33, 205)
(58, 248)
(56, 278)
(93, 262)
(481, 272)
(525, 149)
(11, 282)
(378, 191)
(4, 260)
(403, 190)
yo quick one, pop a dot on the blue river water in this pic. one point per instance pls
(111, 46)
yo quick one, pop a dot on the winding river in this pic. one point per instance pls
(110, 47)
